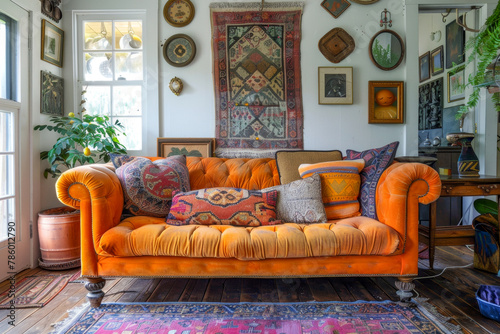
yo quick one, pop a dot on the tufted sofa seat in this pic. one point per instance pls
(144, 246)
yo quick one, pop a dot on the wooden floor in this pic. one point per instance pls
(453, 293)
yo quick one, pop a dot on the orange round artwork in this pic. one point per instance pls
(385, 110)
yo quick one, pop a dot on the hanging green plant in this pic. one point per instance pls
(484, 49)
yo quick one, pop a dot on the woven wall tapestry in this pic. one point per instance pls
(256, 65)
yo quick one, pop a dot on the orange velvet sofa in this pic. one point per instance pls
(111, 247)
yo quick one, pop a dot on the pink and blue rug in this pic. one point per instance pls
(264, 318)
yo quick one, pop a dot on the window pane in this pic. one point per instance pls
(6, 132)
(98, 100)
(133, 129)
(98, 35)
(129, 66)
(98, 66)
(3, 60)
(6, 175)
(128, 35)
(7, 214)
(127, 100)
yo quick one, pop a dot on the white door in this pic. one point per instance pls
(15, 201)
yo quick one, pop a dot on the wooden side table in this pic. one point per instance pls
(456, 186)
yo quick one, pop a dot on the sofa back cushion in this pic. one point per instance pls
(224, 206)
(148, 186)
(252, 174)
(340, 183)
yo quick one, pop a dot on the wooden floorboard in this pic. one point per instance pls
(452, 293)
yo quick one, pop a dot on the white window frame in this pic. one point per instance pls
(150, 122)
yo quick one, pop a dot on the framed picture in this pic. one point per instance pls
(430, 105)
(335, 85)
(385, 102)
(335, 7)
(424, 68)
(437, 60)
(456, 85)
(179, 50)
(52, 43)
(455, 44)
(191, 147)
(52, 94)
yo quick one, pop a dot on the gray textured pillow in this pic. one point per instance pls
(300, 201)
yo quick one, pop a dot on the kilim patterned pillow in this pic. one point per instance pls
(148, 186)
(340, 184)
(300, 201)
(376, 161)
(224, 206)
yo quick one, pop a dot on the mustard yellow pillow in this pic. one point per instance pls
(340, 183)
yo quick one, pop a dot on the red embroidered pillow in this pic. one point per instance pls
(148, 186)
(224, 206)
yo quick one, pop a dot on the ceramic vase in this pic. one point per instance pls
(468, 163)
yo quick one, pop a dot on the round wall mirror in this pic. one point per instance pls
(387, 50)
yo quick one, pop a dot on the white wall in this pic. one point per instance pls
(192, 114)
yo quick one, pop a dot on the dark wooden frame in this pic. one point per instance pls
(208, 143)
(328, 42)
(426, 57)
(178, 25)
(46, 25)
(439, 51)
(370, 50)
(172, 38)
(399, 85)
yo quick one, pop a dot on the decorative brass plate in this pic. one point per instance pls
(178, 13)
(336, 45)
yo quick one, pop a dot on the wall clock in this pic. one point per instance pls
(179, 50)
(178, 13)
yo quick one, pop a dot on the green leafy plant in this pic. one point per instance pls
(484, 48)
(86, 140)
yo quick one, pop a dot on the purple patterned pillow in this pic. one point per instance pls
(376, 161)
(148, 185)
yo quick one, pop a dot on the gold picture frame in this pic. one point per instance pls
(335, 85)
(52, 44)
(385, 102)
(191, 147)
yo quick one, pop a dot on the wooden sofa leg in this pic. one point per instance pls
(95, 295)
(405, 287)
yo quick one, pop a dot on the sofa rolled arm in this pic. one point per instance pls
(97, 192)
(400, 188)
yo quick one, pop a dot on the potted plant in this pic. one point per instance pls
(88, 139)
(484, 49)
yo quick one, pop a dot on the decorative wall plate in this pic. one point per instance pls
(178, 13)
(51, 9)
(179, 50)
(336, 45)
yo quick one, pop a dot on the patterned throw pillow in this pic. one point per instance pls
(340, 184)
(300, 201)
(147, 185)
(224, 206)
(376, 161)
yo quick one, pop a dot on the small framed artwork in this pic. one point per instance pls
(424, 68)
(51, 94)
(456, 85)
(335, 7)
(335, 85)
(190, 147)
(455, 44)
(437, 58)
(179, 50)
(52, 43)
(385, 102)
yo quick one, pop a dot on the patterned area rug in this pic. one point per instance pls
(33, 291)
(258, 96)
(290, 318)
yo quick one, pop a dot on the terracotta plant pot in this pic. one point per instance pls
(59, 235)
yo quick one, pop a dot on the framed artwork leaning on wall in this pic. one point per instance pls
(385, 102)
(190, 147)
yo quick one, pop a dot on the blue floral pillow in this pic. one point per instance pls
(376, 161)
